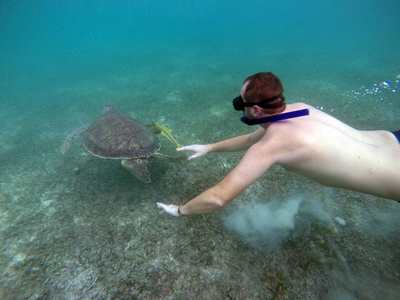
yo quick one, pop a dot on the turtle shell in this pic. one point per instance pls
(116, 135)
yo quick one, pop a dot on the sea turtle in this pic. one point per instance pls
(117, 136)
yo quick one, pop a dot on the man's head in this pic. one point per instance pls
(263, 87)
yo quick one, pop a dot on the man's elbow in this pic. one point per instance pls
(218, 202)
(217, 197)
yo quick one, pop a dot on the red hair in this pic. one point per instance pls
(263, 86)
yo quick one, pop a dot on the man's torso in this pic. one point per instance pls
(332, 153)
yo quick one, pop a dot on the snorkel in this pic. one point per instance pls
(274, 118)
(239, 105)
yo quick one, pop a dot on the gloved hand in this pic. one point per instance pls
(200, 150)
(169, 208)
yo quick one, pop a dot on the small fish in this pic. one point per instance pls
(165, 132)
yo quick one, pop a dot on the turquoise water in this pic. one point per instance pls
(79, 227)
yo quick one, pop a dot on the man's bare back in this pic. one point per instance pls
(334, 154)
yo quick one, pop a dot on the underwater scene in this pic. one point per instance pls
(74, 225)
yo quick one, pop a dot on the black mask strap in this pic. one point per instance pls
(239, 104)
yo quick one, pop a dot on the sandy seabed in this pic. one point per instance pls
(75, 226)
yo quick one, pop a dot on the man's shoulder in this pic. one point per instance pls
(284, 131)
(278, 136)
(299, 105)
(290, 132)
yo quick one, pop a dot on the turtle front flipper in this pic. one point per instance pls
(156, 129)
(138, 168)
(71, 137)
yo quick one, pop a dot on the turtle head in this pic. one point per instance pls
(108, 107)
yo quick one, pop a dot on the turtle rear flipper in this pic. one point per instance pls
(72, 136)
(164, 157)
(138, 168)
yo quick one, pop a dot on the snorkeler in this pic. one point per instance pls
(302, 139)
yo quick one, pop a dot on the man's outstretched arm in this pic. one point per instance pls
(252, 166)
(239, 143)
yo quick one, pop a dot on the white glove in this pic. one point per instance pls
(169, 208)
(200, 150)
